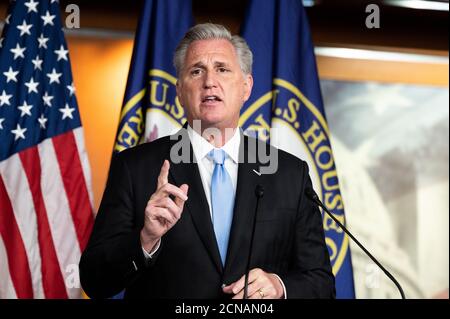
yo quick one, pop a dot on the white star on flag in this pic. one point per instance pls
(71, 89)
(54, 77)
(47, 99)
(11, 75)
(19, 132)
(32, 86)
(67, 111)
(1, 123)
(18, 51)
(7, 19)
(4, 98)
(42, 120)
(48, 19)
(31, 5)
(25, 108)
(37, 63)
(62, 54)
(24, 28)
(42, 41)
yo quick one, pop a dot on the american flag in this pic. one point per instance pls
(46, 213)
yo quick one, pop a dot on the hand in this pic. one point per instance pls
(261, 285)
(161, 212)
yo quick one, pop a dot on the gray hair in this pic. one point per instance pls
(210, 31)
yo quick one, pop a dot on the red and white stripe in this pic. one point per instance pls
(6, 287)
(46, 218)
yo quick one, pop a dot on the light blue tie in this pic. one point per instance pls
(222, 200)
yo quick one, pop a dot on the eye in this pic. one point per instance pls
(222, 70)
(196, 72)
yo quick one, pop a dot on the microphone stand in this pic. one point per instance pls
(259, 193)
(311, 194)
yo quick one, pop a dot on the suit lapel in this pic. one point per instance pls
(188, 173)
(244, 207)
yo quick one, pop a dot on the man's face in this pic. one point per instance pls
(211, 86)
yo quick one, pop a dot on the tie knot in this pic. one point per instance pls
(217, 155)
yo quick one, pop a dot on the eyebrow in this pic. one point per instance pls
(220, 64)
(201, 65)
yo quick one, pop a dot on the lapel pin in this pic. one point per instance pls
(257, 173)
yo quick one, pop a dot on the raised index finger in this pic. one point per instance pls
(163, 174)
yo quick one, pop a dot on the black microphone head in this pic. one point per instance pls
(311, 194)
(259, 191)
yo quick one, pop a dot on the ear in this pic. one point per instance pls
(248, 85)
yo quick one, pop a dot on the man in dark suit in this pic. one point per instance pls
(182, 229)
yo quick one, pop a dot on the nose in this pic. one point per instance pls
(210, 80)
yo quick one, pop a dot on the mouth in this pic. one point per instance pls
(211, 99)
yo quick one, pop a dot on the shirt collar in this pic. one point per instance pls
(202, 147)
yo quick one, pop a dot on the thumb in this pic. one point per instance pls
(228, 289)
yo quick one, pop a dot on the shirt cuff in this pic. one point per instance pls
(149, 255)
(284, 287)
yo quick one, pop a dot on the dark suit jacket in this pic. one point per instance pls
(289, 237)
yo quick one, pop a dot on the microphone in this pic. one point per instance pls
(311, 194)
(259, 193)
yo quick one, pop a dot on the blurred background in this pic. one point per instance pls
(386, 99)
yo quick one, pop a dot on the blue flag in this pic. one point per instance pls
(286, 100)
(150, 108)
